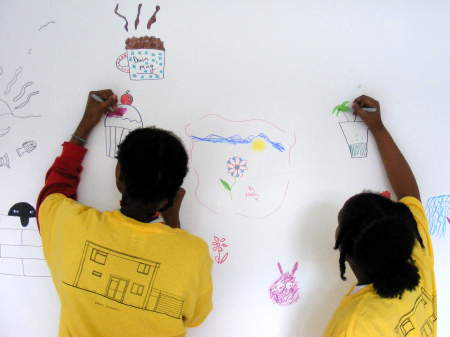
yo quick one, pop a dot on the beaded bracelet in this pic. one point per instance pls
(79, 138)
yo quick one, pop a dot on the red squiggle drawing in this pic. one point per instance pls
(244, 120)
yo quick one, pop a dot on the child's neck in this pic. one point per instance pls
(138, 213)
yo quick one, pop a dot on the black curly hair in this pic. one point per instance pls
(153, 164)
(378, 235)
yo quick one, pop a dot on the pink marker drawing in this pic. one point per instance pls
(252, 193)
(284, 291)
(218, 245)
(246, 144)
(120, 122)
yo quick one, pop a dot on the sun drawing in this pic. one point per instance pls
(258, 145)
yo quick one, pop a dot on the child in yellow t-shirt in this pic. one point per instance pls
(387, 245)
(125, 272)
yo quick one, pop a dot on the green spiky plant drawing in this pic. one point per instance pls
(343, 107)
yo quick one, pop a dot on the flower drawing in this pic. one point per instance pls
(218, 245)
(236, 167)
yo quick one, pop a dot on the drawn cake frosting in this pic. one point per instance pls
(119, 123)
(145, 56)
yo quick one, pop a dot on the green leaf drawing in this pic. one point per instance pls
(344, 106)
(341, 108)
(226, 185)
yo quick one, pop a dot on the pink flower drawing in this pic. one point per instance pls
(284, 291)
(236, 166)
(218, 245)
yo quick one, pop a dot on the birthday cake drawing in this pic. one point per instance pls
(120, 122)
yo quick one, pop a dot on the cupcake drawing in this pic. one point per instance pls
(120, 122)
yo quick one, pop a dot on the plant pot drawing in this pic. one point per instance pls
(356, 135)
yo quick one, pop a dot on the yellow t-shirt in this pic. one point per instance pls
(365, 314)
(116, 276)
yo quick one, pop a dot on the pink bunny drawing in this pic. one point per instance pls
(284, 291)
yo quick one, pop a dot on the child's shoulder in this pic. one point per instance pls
(192, 241)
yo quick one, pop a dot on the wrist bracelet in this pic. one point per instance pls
(79, 138)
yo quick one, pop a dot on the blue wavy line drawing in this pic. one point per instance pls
(438, 211)
(238, 140)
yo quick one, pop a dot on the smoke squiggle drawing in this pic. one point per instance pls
(43, 26)
(21, 105)
(13, 81)
(136, 22)
(22, 91)
(116, 10)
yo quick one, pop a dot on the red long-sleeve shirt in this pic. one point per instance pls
(64, 175)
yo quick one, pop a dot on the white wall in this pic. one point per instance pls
(288, 63)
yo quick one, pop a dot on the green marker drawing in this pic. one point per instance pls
(226, 185)
(343, 107)
(236, 167)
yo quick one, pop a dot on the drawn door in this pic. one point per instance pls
(116, 288)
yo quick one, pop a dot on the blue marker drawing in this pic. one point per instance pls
(238, 140)
(438, 211)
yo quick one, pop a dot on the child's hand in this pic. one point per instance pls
(94, 110)
(92, 114)
(172, 215)
(372, 119)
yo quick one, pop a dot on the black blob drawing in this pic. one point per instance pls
(23, 210)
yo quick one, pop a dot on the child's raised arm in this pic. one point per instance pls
(397, 168)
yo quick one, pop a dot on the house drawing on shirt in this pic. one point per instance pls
(126, 279)
(414, 319)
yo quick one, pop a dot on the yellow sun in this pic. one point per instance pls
(259, 145)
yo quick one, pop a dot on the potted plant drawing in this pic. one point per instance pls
(355, 132)
(236, 167)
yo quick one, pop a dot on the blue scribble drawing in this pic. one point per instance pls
(238, 140)
(438, 211)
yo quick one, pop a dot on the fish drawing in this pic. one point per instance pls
(26, 147)
(4, 131)
(4, 161)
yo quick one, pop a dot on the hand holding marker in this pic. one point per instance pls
(97, 98)
(93, 114)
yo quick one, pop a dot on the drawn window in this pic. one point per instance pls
(96, 273)
(137, 289)
(143, 268)
(407, 327)
(98, 256)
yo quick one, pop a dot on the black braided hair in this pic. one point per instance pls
(379, 234)
(153, 164)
